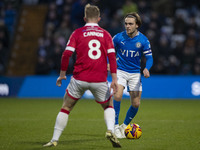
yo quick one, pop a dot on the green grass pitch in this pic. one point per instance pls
(27, 124)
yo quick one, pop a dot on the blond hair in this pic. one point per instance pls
(136, 16)
(92, 12)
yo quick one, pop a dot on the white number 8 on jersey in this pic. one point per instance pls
(96, 48)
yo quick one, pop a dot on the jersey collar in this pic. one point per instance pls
(138, 32)
(91, 24)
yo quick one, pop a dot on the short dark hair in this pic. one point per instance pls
(136, 16)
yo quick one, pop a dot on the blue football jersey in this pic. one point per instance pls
(130, 50)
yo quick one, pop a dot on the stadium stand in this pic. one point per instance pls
(173, 28)
(29, 29)
(7, 20)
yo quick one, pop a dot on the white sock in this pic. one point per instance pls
(61, 122)
(109, 117)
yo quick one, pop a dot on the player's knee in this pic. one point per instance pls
(136, 104)
(117, 97)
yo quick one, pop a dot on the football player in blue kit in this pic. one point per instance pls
(130, 46)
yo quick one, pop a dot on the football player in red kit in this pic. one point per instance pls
(93, 45)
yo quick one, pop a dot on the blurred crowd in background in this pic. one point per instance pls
(173, 28)
(7, 23)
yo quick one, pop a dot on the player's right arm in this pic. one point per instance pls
(113, 70)
(115, 40)
(114, 84)
(112, 63)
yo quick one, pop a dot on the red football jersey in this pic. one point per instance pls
(92, 45)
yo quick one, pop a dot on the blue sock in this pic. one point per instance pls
(132, 111)
(117, 110)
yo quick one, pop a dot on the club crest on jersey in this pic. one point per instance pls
(138, 44)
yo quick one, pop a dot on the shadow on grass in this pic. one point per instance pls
(82, 142)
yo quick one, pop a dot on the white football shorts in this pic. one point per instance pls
(100, 91)
(131, 80)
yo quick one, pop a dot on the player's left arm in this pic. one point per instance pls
(64, 65)
(70, 48)
(61, 77)
(149, 63)
(149, 59)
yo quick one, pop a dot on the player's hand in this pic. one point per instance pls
(59, 80)
(146, 73)
(114, 87)
(108, 67)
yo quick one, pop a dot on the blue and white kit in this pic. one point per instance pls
(130, 50)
